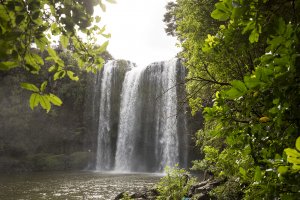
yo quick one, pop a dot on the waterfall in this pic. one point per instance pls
(104, 154)
(147, 136)
(129, 120)
(112, 77)
(169, 138)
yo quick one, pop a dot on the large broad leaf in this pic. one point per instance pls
(43, 86)
(34, 100)
(233, 93)
(41, 42)
(257, 174)
(243, 172)
(102, 5)
(298, 144)
(282, 169)
(71, 76)
(64, 40)
(239, 85)
(38, 59)
(52, 54)
(30, 87)
(52, 68)
(220, 15)
(251, 82)
(8, 65)
(103, 47)
(293, 156)
(254, 36)
(59, 75)
(45, 103)
(54, 100)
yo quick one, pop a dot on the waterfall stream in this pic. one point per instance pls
(140, 133)
(104, 154)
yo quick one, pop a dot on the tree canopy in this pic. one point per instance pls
(243, 73)
(26, 25)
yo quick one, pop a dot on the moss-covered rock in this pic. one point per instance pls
(79, 160)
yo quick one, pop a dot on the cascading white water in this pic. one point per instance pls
(169, 138)
(104, 154)
(160, 81)
(138, 124)
(130, 104)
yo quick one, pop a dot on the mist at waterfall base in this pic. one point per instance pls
(141, 126)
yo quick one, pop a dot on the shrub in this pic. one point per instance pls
(176, 184)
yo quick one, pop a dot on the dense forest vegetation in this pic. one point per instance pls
(243, 72)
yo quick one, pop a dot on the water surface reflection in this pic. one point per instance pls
(73, 185)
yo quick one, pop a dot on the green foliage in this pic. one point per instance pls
(175, 185)
(243, 68)
(38, 97)
(229, 191)
(126, 196)
(33, 23)
(293, 157)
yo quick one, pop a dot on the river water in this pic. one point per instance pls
(73, 185)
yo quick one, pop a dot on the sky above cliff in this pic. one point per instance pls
(137, 30)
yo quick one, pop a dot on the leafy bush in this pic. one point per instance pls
(175, 185)
(243, 67)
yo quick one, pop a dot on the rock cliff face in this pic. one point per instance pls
(142, 119)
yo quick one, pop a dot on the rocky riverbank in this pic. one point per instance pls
(199, 191)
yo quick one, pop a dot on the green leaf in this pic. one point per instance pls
(280, 29)
(282, 169)
(103, 7)
(233, 93)
(64, 40)
(251, 82)
(71, 76)
(34, 61)
(38, 59)
(52, 53)
(254, 36)
(239, 85)
(43, 86)
(293, 156)
(8, 65)
(103, 47)
(236, 13)
(250, 26)
(34, 100)
(54, 100)
(45, 103)
(296, 167)
(30, 87)
(106, 35)
(41, 43)
(298, 144)
(52, 68)
(276, 101)
(98, 19)
(257, 174)
(220, 15)
(60, 74)
(243, 172)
